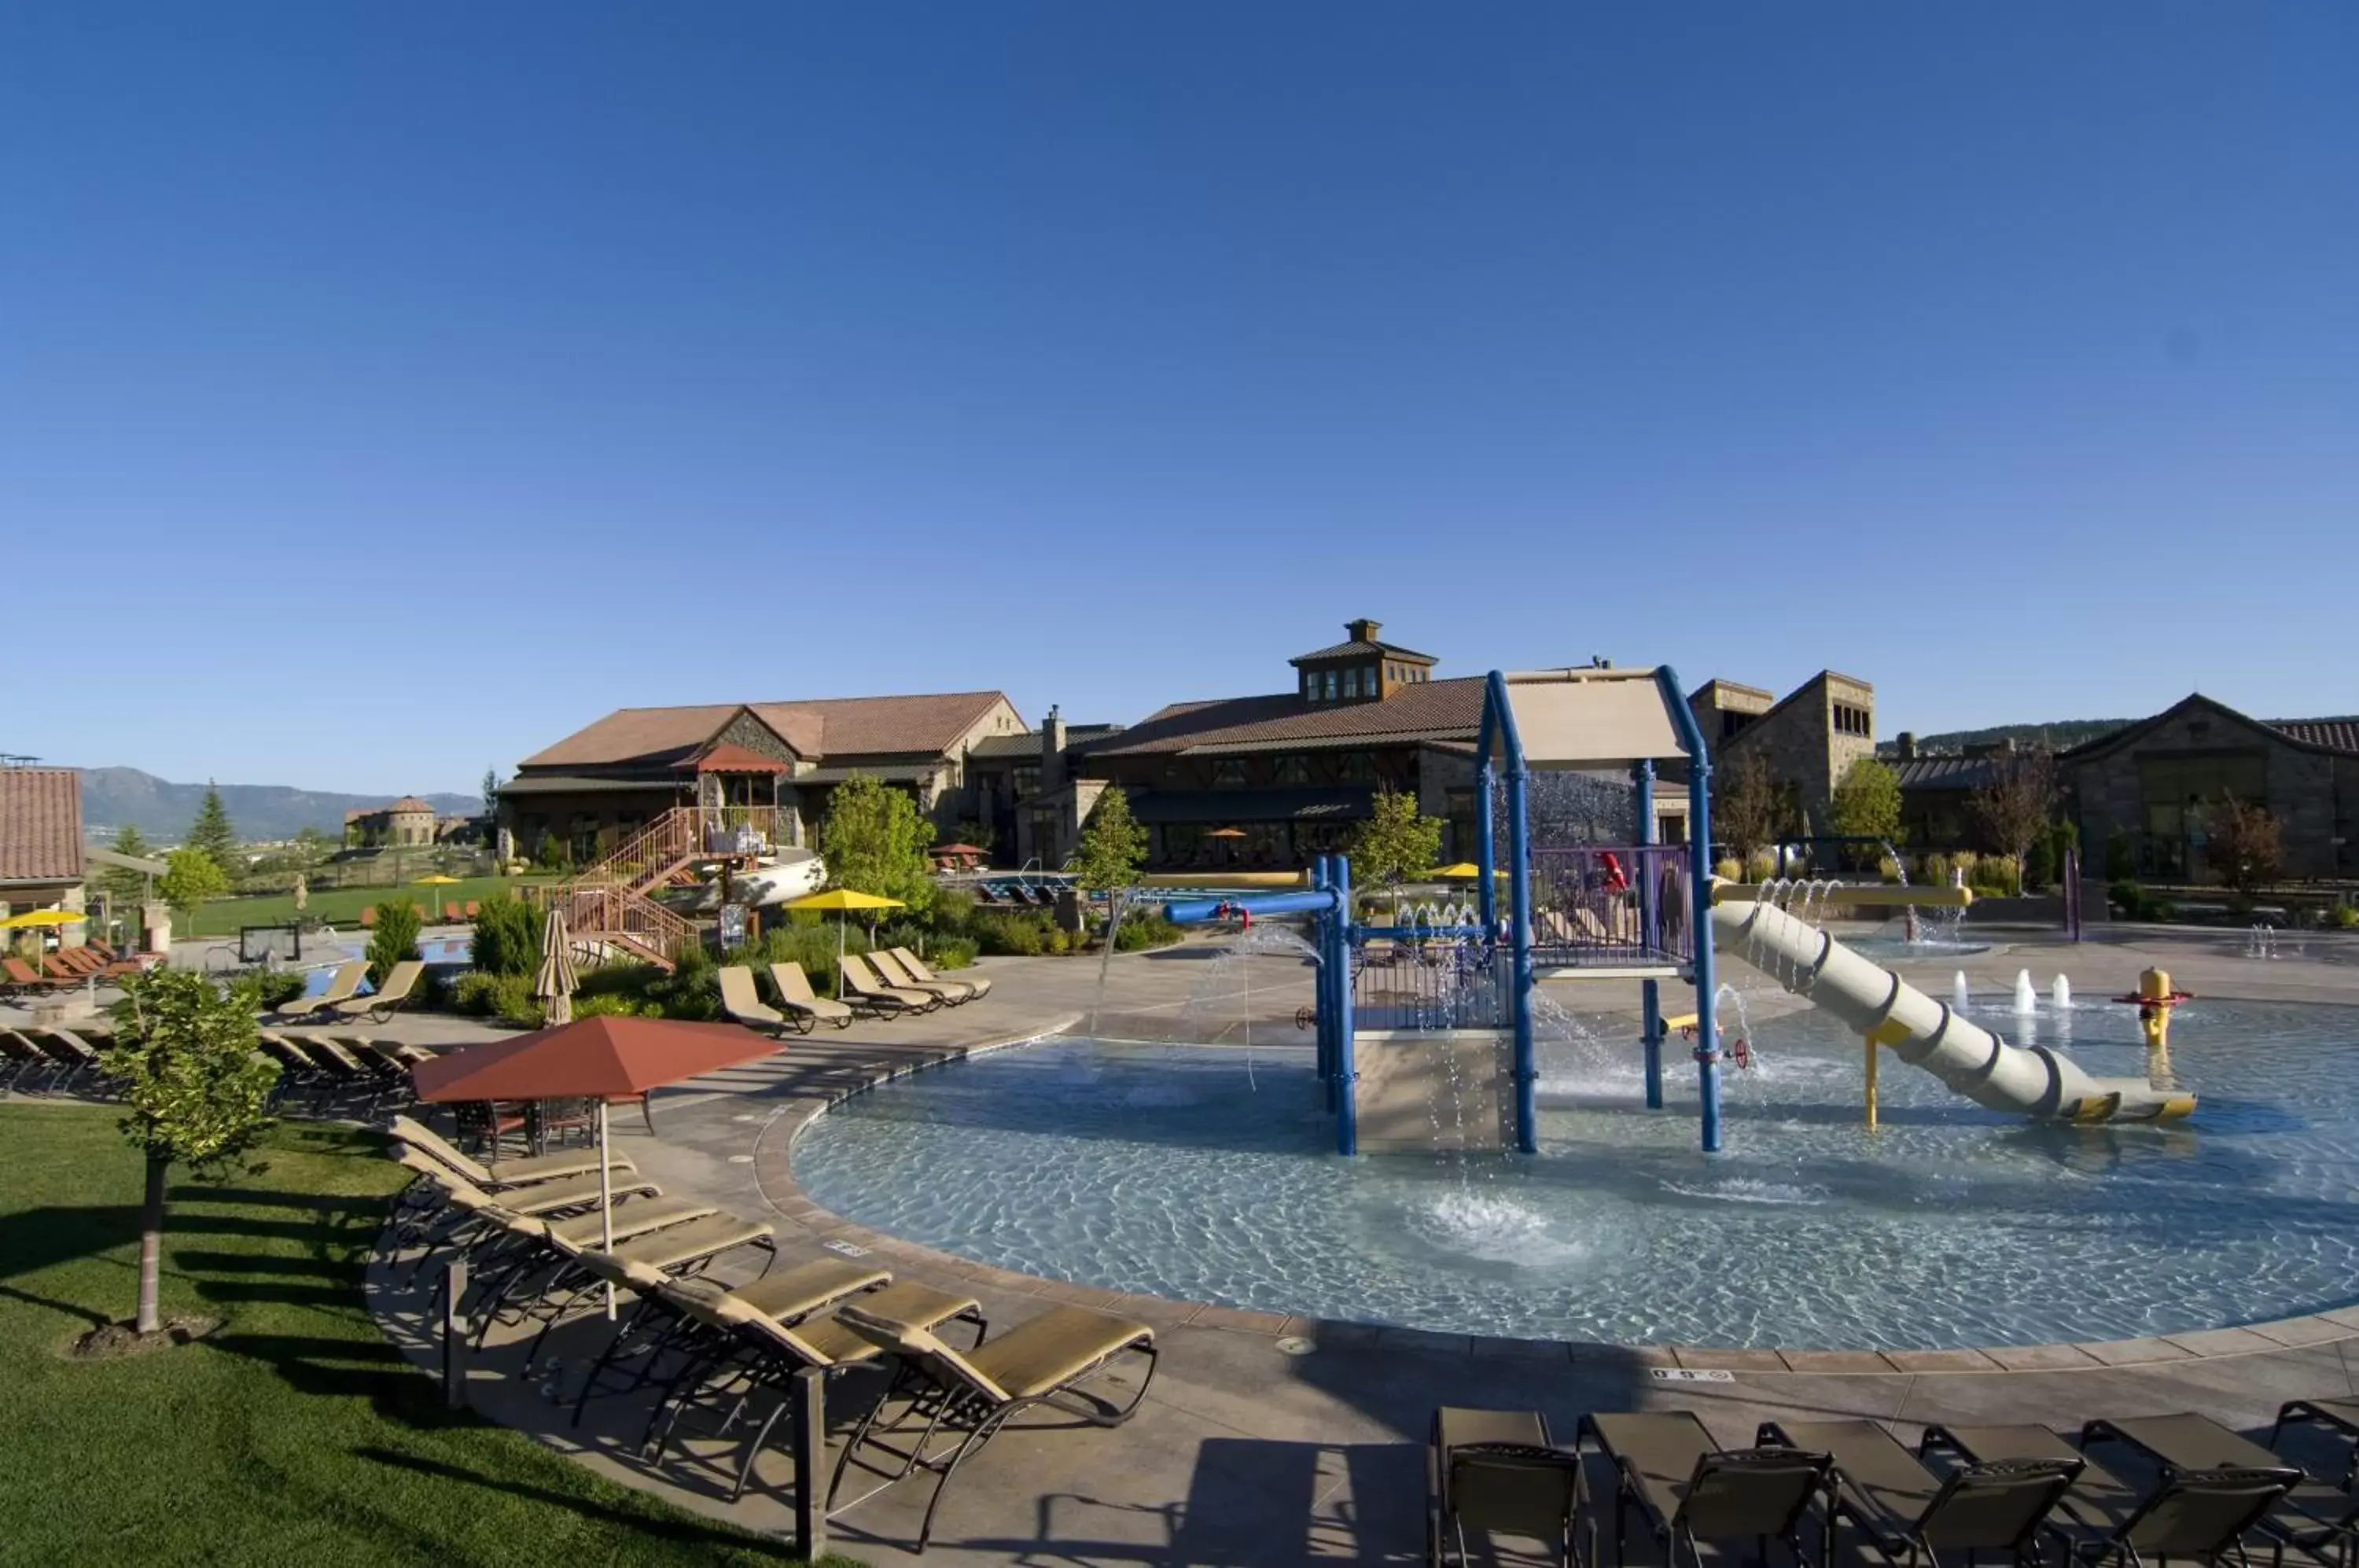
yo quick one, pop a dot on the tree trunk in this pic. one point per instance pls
(151, 1246)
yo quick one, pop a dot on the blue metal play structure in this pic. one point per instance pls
(1583, 903)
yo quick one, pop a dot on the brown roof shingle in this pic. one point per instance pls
(823, 728)
(2334, 735)
(40, 824)
(1432, 710)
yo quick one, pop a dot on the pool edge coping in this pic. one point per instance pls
(2181, 1348)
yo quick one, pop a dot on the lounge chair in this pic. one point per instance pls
(378, 1006)
(2306, 1513)
(676, 1249)
(978, 983)
(344, 983)
(1905, 1509)
(1498, 1473)
(537, 1199)
(2096, 1495)
(473, 909)
(864, 988)
(22, 976)
(505, 1174)
(368, 916)
(969, 1396)
(21, 1060)
(794, 988)
(951, 993)
(1689, 1489)
(745, 1005)
(64, 972)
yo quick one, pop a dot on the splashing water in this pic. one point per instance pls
(2060, 995)
(2026, 999)
(1961, 996)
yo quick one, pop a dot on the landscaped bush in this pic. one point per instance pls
(1760, 866)
(1006, 935)
(1887, 868)
(507, 936)
(274, 990)
(1934, 871)
(1142, 931)
(394, 938)
(1729, 870)
(1995, 876)
(2344, 917)
(953, 907)
(2121, 860)
(951, 953)
(507, 998)
(613, 1005)
(2134, 902)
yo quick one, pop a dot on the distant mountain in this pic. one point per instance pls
(2059, 735)
(113, 797)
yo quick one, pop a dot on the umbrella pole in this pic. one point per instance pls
(606, 1198)
(839, 957)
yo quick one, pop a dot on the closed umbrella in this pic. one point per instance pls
(843, 900)
(596, 1059)
(554, 984)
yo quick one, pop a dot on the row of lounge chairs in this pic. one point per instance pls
(452, 915)
(2012, 1489)
(884, 983)
(1018, 895)
(65, 968)
(49, 1061)
(341, 997)
(532, 1230)
(341, 1073)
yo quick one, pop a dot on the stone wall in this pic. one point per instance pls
(1802, 746)
(2313, 794)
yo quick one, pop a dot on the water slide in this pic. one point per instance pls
(1878, 1004)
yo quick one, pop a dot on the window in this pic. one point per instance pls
(1350, 683)
(1357, 767)
(1368, 680)
(1330, 685)
(1294, 769)
(1024, 781)
(1311, 685)
(1229, 773)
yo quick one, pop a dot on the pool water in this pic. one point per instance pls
(1201, 1173)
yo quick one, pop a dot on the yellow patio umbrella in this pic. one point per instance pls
(436, 880)
(842, 901)
(32, 919)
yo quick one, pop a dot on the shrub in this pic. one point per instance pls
(507, 998)
(953, 907)
(275, 989)
(2344, 917)
(396, 938)
(692, 990)
(1934, 871)
(612, 1005)
(2121, 860)
(1011, 935)
(507, 936)
(1887, 868)
(2125, 895)
(1729, 870)
(951, 953)
(1142, 931)
(1760, 866)
(1997, 876)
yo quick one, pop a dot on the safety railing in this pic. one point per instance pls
(1603, 906)
(1429, 977)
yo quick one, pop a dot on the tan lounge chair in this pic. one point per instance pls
(744, 1004)
(888, 968)
(978, 983)
(1498, 1472)
(539, 1199)
(341, 985)
(379, 1004)
(968, 1396)
(1905, 1509)
(864, 988)
(2309, 1514)
(796, 996)
(1689, 1489)
(506, 1173)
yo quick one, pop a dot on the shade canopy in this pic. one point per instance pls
(436, 881)
(956, 849)
(43, 918)
(594, 1058)
(1464, 868)
(1226, 833)
(843, 899)
(554, 984)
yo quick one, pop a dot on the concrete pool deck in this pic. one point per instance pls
(1274, 1440)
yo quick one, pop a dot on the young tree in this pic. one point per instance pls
(1396, 843)
(2013, 809)
(875, 841)
(2246, 850)
(191, 879)
(1867, 803)
(1748, 810)
(123, 887)
(491, 791)
(395, 939)
(194, 1091)
(212, 834)
(1112, 846)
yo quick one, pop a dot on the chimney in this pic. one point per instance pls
(1906, 743)
(1363, 629)
(1052, 751)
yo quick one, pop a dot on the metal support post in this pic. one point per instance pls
(1707, 1050)
(810, 1464)
(1650, 930)
(1347, 1111)
(454, 1335)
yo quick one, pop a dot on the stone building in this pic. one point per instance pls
(1030, 798)
(1807, 739)
(598, 787)
(41, 862)
(2155, 784)
(409, 821)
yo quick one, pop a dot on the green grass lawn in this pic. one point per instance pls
(337, 906)
(295, 1433)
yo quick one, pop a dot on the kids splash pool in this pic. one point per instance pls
(1200, 1172)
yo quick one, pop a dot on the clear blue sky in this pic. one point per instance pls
(386, 390)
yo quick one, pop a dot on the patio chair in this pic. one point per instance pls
(296, 1070)
(862, 988)
(341, 985)
(2309, 1514)
(1496, 1472)
(1906, 1510)
(21, 1060)
(968, 1396)
(951, 993)
(76, 1058)
(744, 1004)
(1689, 1489)
(503, 1174)
(451, 914)
(473, 909)
(794, 995)
(65, 973)
(978, 983)
(2338, 1416)
(681, 1251)
(368, 916)
(378, 1006)
(23, 977)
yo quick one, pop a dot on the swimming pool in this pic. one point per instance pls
(1198, 1173)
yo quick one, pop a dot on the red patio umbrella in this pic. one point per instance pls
(594, 1058)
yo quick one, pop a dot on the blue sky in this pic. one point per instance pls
(387, 391)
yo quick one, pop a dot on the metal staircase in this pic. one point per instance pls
(609, 903)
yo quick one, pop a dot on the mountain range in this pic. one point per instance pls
(116, 797)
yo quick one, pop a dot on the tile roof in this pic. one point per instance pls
(40, 824)
(1941, 772)
(2334, 735)
(730, 758)
(1025, 744)
(832, 726)
(1434, 710)
(1365, 648)
(410, 803)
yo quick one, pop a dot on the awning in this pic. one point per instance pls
(1331, 803)
(730, 758)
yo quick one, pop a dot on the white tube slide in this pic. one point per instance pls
(2035, 1081)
